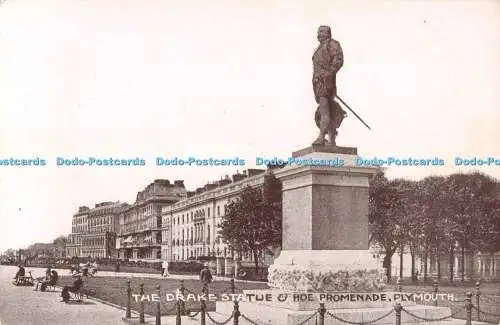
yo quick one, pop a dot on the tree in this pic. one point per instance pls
(10, 252)
(456, 211)
(430, 197)
(489, 226)
(388, 215)
(411, 222)
(480, 214)
(252, 222)
(272, 199)
(60, 246)
(60, 241)
(470, 212)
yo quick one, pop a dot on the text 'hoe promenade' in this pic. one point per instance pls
(319, 267)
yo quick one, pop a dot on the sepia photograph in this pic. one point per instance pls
(279, 162)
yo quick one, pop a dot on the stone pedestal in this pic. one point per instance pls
(325, 248)
(325, 224)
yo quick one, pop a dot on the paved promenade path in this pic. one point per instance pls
(23, 306)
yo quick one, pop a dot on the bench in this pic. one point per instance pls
(52, 286)
(78, 295)
(25, 280)
(48, 285)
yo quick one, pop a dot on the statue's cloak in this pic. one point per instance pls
(336, 112)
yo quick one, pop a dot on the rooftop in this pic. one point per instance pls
(225, 184)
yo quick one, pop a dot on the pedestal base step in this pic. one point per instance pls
(263, 314)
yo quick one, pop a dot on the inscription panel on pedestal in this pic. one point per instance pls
(339, 218)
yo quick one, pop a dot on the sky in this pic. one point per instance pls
(224, 79)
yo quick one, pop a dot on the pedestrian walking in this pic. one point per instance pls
(205, 277)
(164, 269)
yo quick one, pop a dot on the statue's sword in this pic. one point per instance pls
(359, 118)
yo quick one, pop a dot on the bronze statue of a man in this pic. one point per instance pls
(327, 61)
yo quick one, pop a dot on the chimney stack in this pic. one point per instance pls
(209, 187)
(238, 177)
(254, 171)
(223, 182)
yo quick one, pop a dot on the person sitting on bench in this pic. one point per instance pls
(20, 273)
(43, 278)
(50, 282)
(77, 284)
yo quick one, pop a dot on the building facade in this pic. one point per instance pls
(140, 236)
(471, 266)
(190, 226)
(79, 226)
(73, 245)
(94, 231)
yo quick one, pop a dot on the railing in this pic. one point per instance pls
(317, 317)
(138, 229)
(477, 300)
(140, 244)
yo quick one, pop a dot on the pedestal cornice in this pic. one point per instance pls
(308, 177)
(326, 149)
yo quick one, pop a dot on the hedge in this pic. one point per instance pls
(191, 267)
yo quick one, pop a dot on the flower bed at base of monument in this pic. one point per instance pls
(293, 278)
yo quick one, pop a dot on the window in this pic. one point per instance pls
(208, 212)
(218, 211)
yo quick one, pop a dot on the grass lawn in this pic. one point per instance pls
(114, 290)
(129, 269)
(489, 298)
